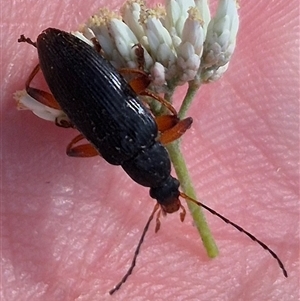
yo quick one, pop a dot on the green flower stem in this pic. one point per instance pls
(183, 174)
(169, 94)
(187, 187)
(190, 94)
(182, 171)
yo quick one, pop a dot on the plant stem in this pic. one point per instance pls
(185, 179)
(196, 212)
(182, 171)
(190, 94)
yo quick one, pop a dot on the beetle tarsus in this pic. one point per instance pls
(81, 151)
(23, 39)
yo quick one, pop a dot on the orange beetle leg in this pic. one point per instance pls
(41, 96)
(83, 150)
(140, 80)
(166, 122)
(176, 131)
(164, 102)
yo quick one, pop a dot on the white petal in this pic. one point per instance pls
(123, 37)
(82, 37)
(26, 102)
(165, 55)
(177, 13)
(158, 74)
(211, 75)
(155, 27)
(203, 8)
(193, 31)
(131, 14)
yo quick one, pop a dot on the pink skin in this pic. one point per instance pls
(70, 226)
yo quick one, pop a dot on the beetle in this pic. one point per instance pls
(108, 113)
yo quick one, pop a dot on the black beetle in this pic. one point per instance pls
(108, 113)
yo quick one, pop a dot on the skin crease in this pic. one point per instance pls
(70, 226)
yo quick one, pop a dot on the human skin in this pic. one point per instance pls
(70, 226)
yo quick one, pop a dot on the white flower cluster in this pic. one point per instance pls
(181, 43)
(220, 41)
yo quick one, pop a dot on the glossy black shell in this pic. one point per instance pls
(104, 108)
(96, 98)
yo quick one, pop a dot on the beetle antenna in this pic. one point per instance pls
(136, 253)
(226, 220)
(26, 40)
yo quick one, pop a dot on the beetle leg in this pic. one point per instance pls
(23, 39)
(182, 213)
(45, 99)
(139, 52)
(166, 122)
(139, 84)
(82, 150)
(140, 80)
(164, 102)
(176, 131)
(41, 96)
(157, 226)
(96, 45)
